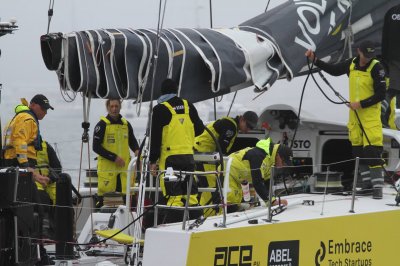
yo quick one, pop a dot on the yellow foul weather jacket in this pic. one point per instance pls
(43, 164)
(240, 169)
(177, 139)
(21, 136)
(361, 87)
(116, 140)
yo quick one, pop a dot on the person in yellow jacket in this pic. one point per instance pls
(113, 138)
(175, 123)
(253, 165)
(22, 136)
(225, 131)
(367, 89)
(48, 165)
(388, 113)
(22, 140)
(392, 116)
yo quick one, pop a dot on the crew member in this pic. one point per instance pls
(175, 123)
(22, 140)
(112, 138)
(225, 131)
(367, 89)
(254, 166)
(48, 165)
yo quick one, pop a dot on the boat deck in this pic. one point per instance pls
(308, 220)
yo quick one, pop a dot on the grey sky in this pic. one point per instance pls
(21, 51)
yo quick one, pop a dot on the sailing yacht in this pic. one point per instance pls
(325, 222)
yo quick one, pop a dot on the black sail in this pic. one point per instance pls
(121, 63)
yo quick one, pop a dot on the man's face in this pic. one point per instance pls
(362, 56)
(243, 127)
(39, 111)
(114, 108)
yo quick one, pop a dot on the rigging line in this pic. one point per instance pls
(215, 108)
(343, 100)
(301, 103)
(65, 93)
(50, 14)
(85, 139)
(211, 15)
(57, 150)
(233, 100)
(161, 16)
(266, 8)
(211, 26)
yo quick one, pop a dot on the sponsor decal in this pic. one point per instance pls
(344, 253)
(179, 107)
(229, 133)
(309, 19)
(395, 16)
(320, 255)
(110, 139)
(301, 144)
(234, 255)
(283, 253)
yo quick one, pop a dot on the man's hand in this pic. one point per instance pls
(44, 180)
(153, 169)
(119, 161)
(355, 105)
(280, 202)
(310, 54)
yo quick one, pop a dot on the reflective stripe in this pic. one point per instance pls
(23, 147)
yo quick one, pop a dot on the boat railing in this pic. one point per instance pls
(173, 176)
(178, 176)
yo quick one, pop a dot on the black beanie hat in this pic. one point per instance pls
(168, 86)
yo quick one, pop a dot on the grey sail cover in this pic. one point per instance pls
(120, 63)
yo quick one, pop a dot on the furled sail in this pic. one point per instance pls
(119, 63)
